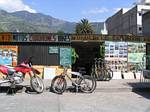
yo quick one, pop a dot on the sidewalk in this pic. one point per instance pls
(121, 85)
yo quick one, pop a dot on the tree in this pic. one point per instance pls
(74, 55)
(60, 32)
(84, 27)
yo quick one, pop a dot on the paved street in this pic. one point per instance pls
(112, 96)
(76, 102)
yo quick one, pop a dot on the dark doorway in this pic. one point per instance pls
(87, 51)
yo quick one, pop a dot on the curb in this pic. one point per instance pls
(122, 90)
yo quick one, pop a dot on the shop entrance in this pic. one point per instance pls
(86, 51)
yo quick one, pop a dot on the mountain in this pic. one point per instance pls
(23, 21)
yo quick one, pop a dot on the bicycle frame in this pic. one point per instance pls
(65, 73)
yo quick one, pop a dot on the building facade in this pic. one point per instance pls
(49, 51)
(146, 23)
(134, 21)
(127, 22)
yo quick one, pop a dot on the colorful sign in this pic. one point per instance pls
(135, 57)
(8, 55)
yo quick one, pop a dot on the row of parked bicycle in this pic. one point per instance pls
(101, 70)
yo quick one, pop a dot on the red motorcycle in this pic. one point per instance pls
(16, 75)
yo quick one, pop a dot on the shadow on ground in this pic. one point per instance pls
(69, 89)
(141, 88)
(17, 89)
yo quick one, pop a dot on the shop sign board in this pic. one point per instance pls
(43, 38)
(53, 50)
(67, 38)
(6, 37)
(40, 37)
(65, 56)
(96, 37)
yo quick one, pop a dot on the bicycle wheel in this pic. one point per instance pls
(87, 84)
(93, 74)
(99, 74)
(110, 74)
(59, 84)
(105, 74)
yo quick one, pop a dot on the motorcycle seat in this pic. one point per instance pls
(11, 69)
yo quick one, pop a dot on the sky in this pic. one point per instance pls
(70, 10)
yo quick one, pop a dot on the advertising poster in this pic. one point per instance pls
(8, 55)
(49, 73)
(136, 51)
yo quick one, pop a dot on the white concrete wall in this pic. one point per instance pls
(128, 75)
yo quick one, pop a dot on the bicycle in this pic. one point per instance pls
(108, 73)
(100, 70)
(97, 71)
(85, 83)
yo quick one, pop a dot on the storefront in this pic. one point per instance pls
(49, 51)
(88, 47)
(122, 52)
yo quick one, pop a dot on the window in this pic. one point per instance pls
(140, 28)
(140, 14)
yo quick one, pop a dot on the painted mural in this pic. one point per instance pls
(8, 55)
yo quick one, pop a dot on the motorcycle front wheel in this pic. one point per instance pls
(59, 84)
(37, 84)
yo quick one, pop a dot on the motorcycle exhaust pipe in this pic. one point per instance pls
(4, 81)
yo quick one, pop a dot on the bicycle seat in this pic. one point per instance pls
(82, 70)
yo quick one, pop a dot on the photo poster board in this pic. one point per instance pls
(136, 51)
(147, 60)
(65, 56)
(8, 55)
(116, 54)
